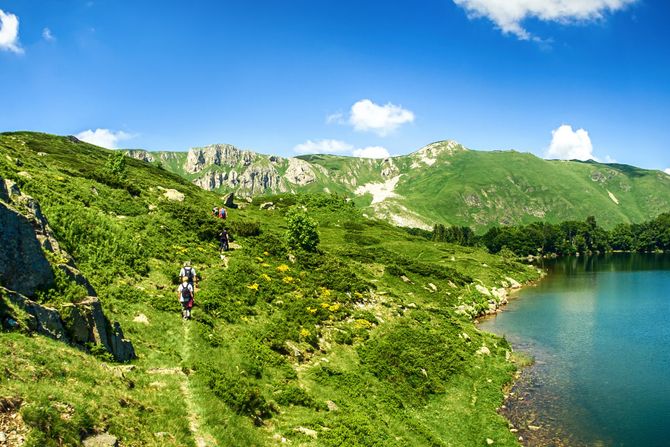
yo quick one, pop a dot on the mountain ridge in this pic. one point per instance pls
(442, 182)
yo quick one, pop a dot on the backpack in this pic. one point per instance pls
(223, 213)
(188, 272)
(186, 294)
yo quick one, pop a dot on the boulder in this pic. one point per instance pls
(228, 200)
(267, 206)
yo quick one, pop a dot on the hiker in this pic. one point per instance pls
(189, 272)
(223, 241)
(223, 214)
(215, 211)
(185, 295)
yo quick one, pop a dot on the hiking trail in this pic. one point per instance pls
(200, 436)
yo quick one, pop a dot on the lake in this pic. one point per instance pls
(598, 329)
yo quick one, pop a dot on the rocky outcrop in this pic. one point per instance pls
(25, 237)
(217, 154)
(140, 154)
(299, 172)
(82, 324)
(23, 265)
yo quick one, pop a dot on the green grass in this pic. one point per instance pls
(338, 341)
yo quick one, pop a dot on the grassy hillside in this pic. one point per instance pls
(367, 342)
(446, 183)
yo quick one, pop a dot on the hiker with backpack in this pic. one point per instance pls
(215, 211)
(223, 241)
(223, 214)
(189, 272)
(185, 294)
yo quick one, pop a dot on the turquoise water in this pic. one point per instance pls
(599, 330)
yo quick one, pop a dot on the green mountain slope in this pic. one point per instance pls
(442, 183)
(368, 342)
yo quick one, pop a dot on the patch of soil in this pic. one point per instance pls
(12, 429)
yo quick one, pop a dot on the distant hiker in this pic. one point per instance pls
(215, 211)
(223, 214)
(188, 272)
(223, 241)
(185, 295)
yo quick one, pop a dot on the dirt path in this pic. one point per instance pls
(201, 438)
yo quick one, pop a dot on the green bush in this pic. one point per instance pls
(301, 231)
(244, 228)
(415, 358)
(239, 393)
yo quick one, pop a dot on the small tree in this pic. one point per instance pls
(302, 231)
(116, 164)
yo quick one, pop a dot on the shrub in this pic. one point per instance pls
(415, 358)
(302, 231)
(239, 393)
(245, 228)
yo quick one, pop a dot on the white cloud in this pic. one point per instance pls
(47, 35)
(667, 171)
(567, 144)
(104, 137)
(322, 147)
(337, 118)
(9, 32)
(508, 15)
(372, 152)
(368, 116)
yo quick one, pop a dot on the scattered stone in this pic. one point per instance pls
(103, 440)
(534, 427)
(41, 154)
(483, 290)
(483, 351)
(291, 258)
(489, 441)
(513, 283)
(332, 406)
(307, 431)
(248, 199)
(267, 206)
(152, 207)
(141, 318)
(3, 437)
(172, 194)
(406, 279)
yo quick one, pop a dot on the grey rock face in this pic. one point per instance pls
(217, 154)
(140, 155)
(23, 265)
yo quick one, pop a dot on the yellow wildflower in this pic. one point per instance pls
(259, 259)
(287, 279)
(363, 324)
(305, 333)
(283, 268)
(335, 307)
(266, 277)
(325, 305)
(265, 253)
(312, 310)
(253, 286)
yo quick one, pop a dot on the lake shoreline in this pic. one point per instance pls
(518, 405)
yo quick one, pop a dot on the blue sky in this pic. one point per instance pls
(360, 77)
